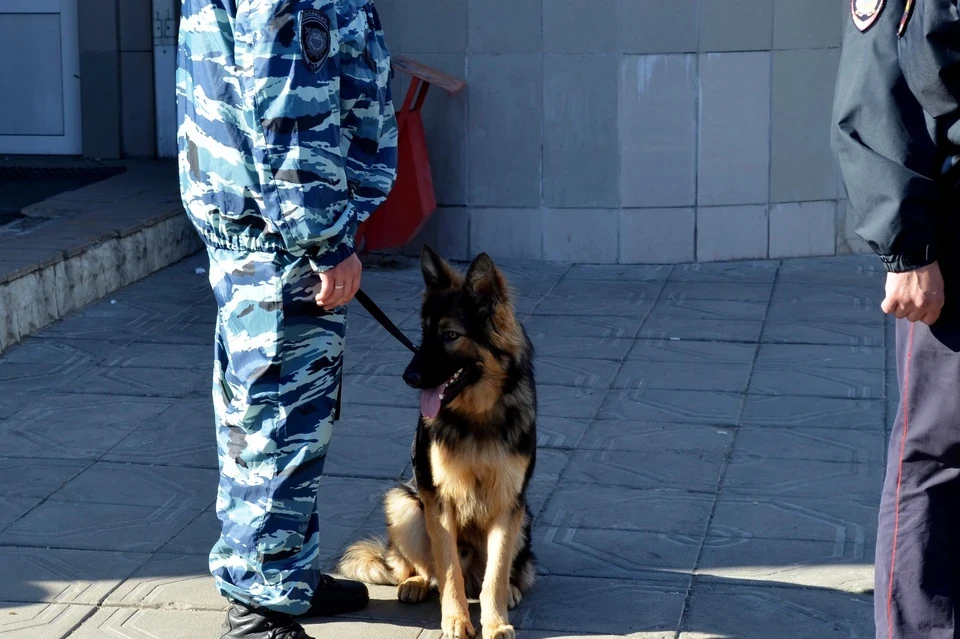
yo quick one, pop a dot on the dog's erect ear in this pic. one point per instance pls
(437, 274)
(485, 282)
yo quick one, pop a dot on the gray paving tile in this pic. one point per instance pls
(44, 376)
(729, 272)
(607, 507)
(546, 476)
(35, 478)
(821, 444)
(853, 311)
(670, 327)
(92, 526)
(849, 383)
(654, 436)
(364, 629)
(197, 538)
(840, 519)
(708, 309)
(169, 624)
(378, 390)
(363, 420)
(65, 353)
(163, 356)
(855, 270)
(845, 565)
(197, 331)
(51, 575)
(568, 401)
(809, 412)
(41, 620)
(685, 470)
(722, 291)
(609, 326)
(110, 322)
(691, 351)
(628, 606)
(637, 375)
(618, 273)
(824, 332)
(377, 457)
(97, 423)
(377, 362)
(651, 405)
(12, 508)
(10, 404)
(762, 475)
(568, 634)
(743, 610)
(183, 435)
(188, 489)
(613, 554)
(144, 382)
(566, 371)
(549, 345)
(387, 611)
(631, 299)
(169, 581)
(560, 432)
(820, 356)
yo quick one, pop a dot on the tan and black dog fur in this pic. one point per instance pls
(462, 523)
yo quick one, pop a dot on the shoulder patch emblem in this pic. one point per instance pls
(314, 38)
(866, 12)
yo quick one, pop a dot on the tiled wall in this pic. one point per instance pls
(116, 68)
(630, 130)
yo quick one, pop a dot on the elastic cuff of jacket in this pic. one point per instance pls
(344, 248)
(909, 261)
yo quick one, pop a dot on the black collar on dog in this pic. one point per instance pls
(384, 321)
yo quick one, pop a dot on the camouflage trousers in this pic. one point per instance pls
(276, 379)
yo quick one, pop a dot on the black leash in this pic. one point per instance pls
(384, 321)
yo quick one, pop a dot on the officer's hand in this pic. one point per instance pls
(916, 295)
(339, 284)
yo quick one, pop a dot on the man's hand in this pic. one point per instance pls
(915, 295)
(339, 284)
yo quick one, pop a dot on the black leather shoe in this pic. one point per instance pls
(337, 597)
(244, 622)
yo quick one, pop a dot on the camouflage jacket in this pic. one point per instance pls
(287, 133)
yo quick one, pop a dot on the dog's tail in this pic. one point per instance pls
(366, 561)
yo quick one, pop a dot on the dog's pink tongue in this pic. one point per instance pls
(430, 402)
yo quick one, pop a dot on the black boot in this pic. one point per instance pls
(337, 597)
(244, 622)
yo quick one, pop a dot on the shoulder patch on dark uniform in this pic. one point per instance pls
(314, 38)
(866, 12)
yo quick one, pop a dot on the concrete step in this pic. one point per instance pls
(74, 248)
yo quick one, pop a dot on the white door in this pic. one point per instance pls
(39, 77)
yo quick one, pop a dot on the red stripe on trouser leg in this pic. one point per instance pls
(903, 442)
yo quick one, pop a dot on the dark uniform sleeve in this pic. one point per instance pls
(895, 112)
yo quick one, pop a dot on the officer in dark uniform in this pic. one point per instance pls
(897, 137)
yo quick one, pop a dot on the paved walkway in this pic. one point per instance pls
(711, 448)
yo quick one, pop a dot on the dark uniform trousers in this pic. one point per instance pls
(917, 585)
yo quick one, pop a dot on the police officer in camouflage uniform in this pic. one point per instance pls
(897, 135)
(287, 142)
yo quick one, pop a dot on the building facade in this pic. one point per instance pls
(609, 131)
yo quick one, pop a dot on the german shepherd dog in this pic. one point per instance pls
(462, 523)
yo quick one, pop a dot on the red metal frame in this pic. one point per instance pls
(412, 200)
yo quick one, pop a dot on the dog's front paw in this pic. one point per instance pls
(499, 632)
(413, 590)
(514, 598)
(457, 627)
